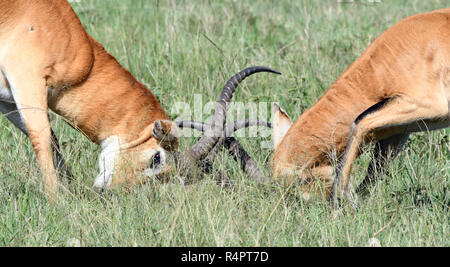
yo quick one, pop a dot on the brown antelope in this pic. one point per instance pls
(48, 60)
(399, 85)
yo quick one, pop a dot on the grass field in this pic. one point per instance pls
(182, 48)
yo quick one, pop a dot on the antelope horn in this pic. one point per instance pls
(237, 125)
(197, 125)
(247, 163)
(213, 133)
(235, 149)
(230, 128)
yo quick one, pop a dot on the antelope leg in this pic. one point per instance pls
(385, 150)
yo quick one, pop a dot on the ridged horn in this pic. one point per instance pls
(213, 133)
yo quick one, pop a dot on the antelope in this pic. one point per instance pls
(399, 85)
(49, 61)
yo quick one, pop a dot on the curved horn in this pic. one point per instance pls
(235, 149)
(243, 124)
(197, 125)
(213, 133)
(230, 128)
(248, 165)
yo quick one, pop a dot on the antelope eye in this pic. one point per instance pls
(156, 160)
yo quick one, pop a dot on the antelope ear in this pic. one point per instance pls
(166, 132)
(281, 124)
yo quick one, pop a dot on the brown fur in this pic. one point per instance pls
(406, 63)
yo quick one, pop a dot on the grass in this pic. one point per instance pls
(182, 48)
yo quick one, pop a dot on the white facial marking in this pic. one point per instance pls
(106, 161)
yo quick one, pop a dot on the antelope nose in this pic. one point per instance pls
(102, 182)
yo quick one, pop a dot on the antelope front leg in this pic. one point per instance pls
(9, 109)
(30, 96)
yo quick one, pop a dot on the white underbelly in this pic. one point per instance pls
(5, 91)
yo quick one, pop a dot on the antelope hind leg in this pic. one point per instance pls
(385, 150)
(393, 113)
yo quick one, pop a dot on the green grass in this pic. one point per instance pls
(182, 48)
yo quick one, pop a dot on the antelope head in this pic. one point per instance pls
(131, 163)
